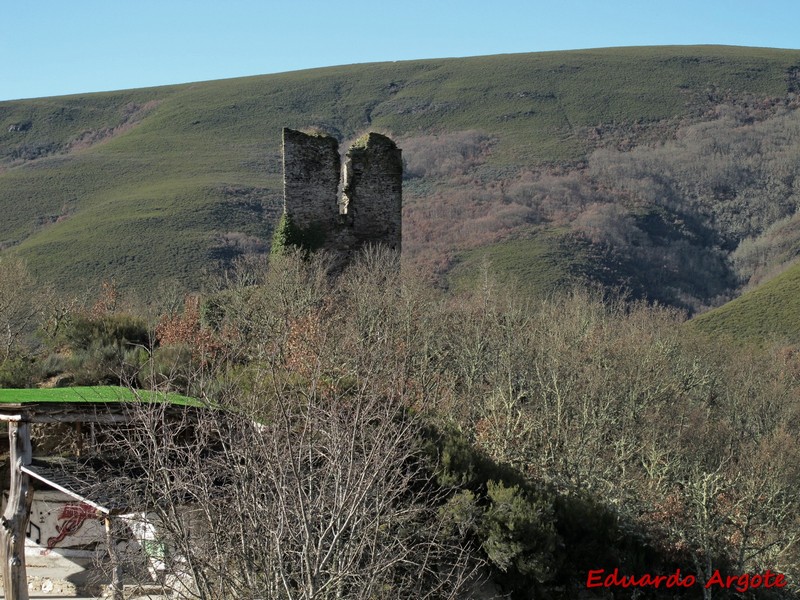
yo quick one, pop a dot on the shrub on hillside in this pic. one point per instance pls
(105, 349)
(52, 365)
(16, 372)
(121, 331)
(107, 365)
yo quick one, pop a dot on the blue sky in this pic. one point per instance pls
(54, 47)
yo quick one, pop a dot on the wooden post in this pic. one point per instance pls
(116, 569)
(15, 518)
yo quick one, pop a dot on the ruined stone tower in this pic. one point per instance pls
(341, 209)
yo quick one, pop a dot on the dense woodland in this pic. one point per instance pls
(515, 442)
(687, 215)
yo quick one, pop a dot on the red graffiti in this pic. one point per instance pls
(73, 516)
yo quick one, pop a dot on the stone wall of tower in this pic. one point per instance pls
(311, 167)
(372, 192)
(369, 209)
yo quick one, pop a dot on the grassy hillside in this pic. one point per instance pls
(533, 266)
(155, 183)
(770, 312)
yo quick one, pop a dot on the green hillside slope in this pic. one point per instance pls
(531, 266)
(770, 312)
(155, 183)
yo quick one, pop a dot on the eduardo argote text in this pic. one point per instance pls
(600, 578)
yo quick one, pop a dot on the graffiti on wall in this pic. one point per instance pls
(70, 520)
(58, 522)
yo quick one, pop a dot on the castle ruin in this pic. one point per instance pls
(341, 208)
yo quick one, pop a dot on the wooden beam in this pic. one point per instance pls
(15, 518)
(69, 413)
(84, 417)
(72, 494)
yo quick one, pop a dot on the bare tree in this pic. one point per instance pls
(19, 303)
(307, 479)
(313, 496)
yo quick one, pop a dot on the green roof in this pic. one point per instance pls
(91, 394)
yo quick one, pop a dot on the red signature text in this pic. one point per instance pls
(741, 583)
(747, 581)
(614, 579)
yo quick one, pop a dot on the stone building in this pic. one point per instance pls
(340, 208)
